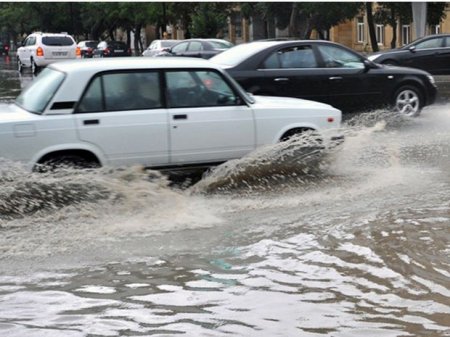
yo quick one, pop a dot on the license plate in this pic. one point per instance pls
(118, 50)
(59, 53)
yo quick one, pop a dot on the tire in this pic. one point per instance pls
(66, 161)
(408, 101)
(34, 67)
(296, 132)
(19, 66)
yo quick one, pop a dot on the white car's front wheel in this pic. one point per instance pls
(19, 66)
(408, 101)
(34, 67)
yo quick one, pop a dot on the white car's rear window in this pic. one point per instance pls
(57, 41)
(36, 97)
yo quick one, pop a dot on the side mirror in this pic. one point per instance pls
(412, 49)
(369, 65)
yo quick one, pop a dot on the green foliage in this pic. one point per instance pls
(203, 19)
(323, 16)
(208, 19)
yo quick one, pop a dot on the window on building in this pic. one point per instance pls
(379, 32)
(360, 30)
(406, 34)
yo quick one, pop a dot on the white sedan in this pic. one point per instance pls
(163, 112)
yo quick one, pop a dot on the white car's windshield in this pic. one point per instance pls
(36, 97)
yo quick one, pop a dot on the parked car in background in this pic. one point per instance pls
(87, 48)
(111, 49)
(41, 49)
(170, 112)
(430, 53)
(158, 46)
(326, 72)
(4, 48)
(203, 48)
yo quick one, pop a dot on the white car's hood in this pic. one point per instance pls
(290, 102)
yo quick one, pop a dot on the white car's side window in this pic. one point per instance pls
(122, 91)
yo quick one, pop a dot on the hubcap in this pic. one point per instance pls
(407, 103)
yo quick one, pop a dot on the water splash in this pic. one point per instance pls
(298, 158)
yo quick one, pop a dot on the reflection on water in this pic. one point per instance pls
(11, 81)
(353, 243)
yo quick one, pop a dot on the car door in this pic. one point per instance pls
(25, 52)
(208, 120)
(430, 55)
(179, 49)
(351, 85)
(194, 49)
(122, 115)
(292, 72)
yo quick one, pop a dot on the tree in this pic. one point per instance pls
(209, 18)
(371, 24)
(300, 18)
(389, 13)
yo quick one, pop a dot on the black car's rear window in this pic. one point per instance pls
(91, 44)
(117, 45)
(57, 41)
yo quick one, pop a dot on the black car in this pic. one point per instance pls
(326, 72)
(87, 48)
(430, 53)
(204, 48)
(111, 49)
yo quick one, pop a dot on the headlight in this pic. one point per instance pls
(431, 78)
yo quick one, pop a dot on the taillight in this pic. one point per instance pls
(106, 51)
(330, 119)
(39, 51)
(78, 52)
(6, 48)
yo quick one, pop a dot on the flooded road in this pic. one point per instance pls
(358, 245)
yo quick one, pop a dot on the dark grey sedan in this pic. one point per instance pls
(203, 48)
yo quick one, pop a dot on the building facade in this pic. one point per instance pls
(352, 33)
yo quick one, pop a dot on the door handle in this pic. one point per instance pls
(91, 122)
(180, 116)
(335, 78)
(281, 79)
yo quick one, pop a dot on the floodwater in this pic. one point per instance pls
(357, 244)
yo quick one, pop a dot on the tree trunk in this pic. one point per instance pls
(137, 39)
(370, 22)
(394, 29)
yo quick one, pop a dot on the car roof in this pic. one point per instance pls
(122, 63)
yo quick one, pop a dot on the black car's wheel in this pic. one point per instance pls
(408, 101)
